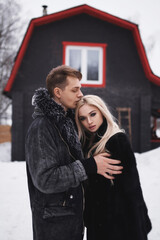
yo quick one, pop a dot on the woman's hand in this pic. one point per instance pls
(107, 166)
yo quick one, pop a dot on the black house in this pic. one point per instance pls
(109, 53)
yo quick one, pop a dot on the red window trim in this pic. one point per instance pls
(87, 44)
(155, 140)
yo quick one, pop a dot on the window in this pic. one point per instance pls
(89, 59)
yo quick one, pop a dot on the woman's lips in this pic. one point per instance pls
(92, 127)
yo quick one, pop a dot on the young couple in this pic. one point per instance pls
(80, 167)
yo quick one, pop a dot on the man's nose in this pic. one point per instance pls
(80, 94)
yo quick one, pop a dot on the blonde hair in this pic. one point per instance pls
(112, 126)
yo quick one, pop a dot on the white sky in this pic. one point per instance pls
(145, 13)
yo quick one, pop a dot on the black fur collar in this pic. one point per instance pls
(45, 105)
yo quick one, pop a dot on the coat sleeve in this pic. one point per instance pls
(129, 183)
(43, 162)
(121, 149)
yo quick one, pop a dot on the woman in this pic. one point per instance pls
(114, 209)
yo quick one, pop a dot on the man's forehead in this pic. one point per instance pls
(73, 82)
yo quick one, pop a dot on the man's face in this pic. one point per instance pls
(70, 96)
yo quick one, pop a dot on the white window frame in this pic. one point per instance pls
(84, 63)
(84, 48)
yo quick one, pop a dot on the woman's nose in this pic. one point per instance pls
(89, 120)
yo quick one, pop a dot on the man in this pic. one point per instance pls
(55, 163)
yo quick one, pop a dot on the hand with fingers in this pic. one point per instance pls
(107, 166)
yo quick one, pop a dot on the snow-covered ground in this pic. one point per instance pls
(15, 215)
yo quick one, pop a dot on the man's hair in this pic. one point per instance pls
(57, 77)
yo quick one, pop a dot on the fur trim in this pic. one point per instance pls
(63, 121)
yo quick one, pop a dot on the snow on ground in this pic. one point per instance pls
(15, 215)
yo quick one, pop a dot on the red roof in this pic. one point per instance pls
(92, 12)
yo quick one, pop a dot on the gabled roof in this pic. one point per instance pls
(72, 12)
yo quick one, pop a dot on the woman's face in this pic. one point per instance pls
(90, 117)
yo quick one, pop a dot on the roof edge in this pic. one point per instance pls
(72, 12)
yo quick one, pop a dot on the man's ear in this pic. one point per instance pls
(57, 92)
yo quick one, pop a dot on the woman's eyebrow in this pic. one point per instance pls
(88, 113)
(92, 111)
(81, 116)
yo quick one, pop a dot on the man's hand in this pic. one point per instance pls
(105, 165)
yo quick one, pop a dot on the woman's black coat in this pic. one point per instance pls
(117, 211)
(54, 174)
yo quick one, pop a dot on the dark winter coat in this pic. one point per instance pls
(54, 173)
(117, 211)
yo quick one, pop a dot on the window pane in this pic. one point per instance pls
(92, 64)
(75, 58)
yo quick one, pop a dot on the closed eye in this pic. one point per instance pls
(74, 90)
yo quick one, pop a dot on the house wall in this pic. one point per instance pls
(126, 84)
(17, 130)
(155, 105)
(155, 96)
